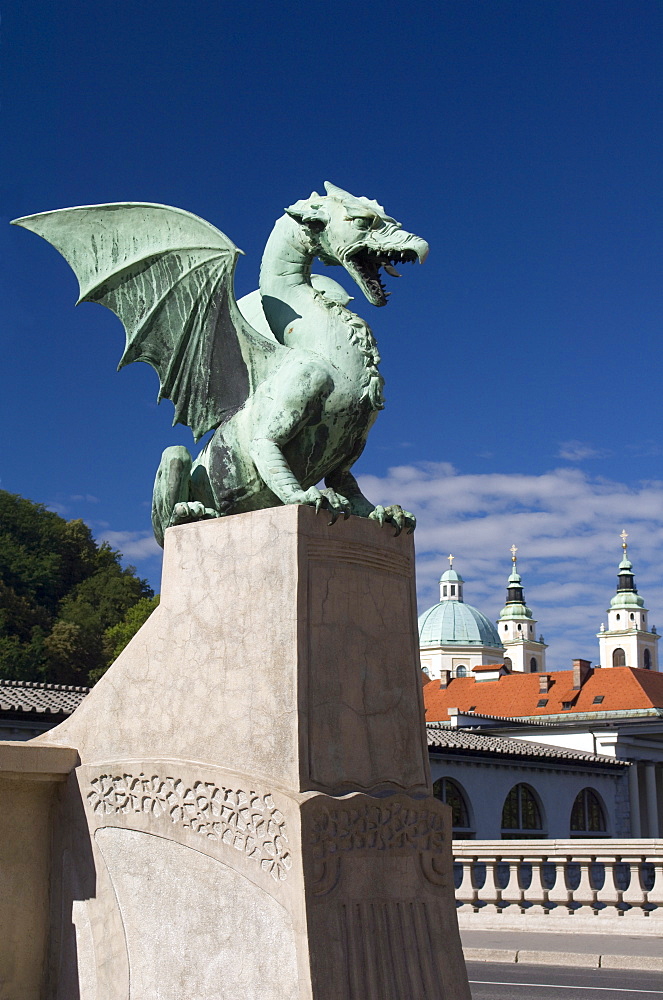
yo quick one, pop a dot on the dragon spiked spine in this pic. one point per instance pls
(287, 378)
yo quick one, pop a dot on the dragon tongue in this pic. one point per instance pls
(390, 269)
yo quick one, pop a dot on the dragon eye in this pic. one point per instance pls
(363, 223)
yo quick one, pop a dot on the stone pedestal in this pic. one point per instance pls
(252, 812)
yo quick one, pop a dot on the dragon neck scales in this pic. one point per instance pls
(288, 295)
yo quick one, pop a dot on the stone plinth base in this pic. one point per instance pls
(252, 812)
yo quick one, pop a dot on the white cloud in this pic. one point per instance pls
(566, 525)
(132, 544)
(577, 451)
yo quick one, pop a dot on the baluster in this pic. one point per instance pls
(512, 894)
(606, 892)
(537, 894)
(584, 896)
(490, 894)
(655, 895)
(609, 896)
(466, 893)
(559, 897)
(635, 895)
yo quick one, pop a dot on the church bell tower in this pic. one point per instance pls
(628, 641)
(517, 628)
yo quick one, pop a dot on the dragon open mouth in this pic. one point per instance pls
(365, 265)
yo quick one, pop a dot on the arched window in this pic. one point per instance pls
(451, 793)
(507, 662)
(521, 815)
(647, 659)
(461, 671)
(618, 657)
(533, 665)
(587, 816)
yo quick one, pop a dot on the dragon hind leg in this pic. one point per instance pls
(171, 486)
(172, 500)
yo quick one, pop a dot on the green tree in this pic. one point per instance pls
(118, 636)
(59, 593)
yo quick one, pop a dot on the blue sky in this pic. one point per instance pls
(523, 140)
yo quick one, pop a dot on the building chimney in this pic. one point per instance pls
(581, 671)
(544, 683)
(445, 679)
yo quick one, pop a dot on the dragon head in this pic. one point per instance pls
(357, 234)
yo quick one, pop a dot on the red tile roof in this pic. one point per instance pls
(621, 688)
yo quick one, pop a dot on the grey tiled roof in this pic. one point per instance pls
(45, 699)
(460, 741)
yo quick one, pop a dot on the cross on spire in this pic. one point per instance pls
(513, 551)
(451, 560)
(624, 536)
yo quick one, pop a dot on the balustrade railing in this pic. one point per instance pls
(560, 884)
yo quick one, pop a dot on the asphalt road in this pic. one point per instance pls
(507, 981)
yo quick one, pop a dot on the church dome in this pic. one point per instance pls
(456, 623)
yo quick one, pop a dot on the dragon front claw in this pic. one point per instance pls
(185, 512)
(394, 515)
(327, 500)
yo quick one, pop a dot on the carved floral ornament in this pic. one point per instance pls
(372, 827)
(247, 821)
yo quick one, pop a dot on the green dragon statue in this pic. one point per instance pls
(287, 377)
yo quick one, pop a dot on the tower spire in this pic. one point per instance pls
(514, 591)
(525, 653)
(625, 579)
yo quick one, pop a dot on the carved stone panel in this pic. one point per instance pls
(195, 928)
(364, 711)
(380, 894)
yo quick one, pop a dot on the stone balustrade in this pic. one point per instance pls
(590, 885)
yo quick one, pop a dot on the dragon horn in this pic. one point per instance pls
(337, 192)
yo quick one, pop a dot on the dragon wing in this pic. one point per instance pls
(168, 275)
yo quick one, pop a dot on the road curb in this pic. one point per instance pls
(489, 955)
(574, 960)
(641, 963)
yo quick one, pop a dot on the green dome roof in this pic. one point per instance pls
(627, 599)
(456, 623)
(515, 610)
